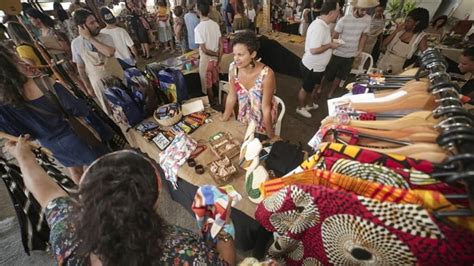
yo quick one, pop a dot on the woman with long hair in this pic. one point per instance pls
(113, 218)
(56, 43)
(64, 22)
(252, 84)
(241, 22)
(436, 28)
(405, 41)
(25, 109)
(139, 26)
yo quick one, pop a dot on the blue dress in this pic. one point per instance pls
(53, 131)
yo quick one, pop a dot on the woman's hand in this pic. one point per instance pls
(20, 149)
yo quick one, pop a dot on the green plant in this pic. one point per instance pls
(393, 8)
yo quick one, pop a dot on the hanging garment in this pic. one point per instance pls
(429, 199)
(321, 226)
(33, 226)
(176, 155)
(397, 177)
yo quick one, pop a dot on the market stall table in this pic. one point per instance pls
(249, 234)
(282, 52)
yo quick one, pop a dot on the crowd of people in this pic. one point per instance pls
(33, 105)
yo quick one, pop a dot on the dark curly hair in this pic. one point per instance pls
(35, 13)
(247, 38)
(12, 79)
(115, 217)
(422, 16)
(443, 17)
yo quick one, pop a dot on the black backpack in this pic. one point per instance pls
(284, 157)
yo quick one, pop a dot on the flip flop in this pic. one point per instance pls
(253, 179)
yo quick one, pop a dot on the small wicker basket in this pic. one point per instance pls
(169, 121)
(217, 166)
(225, 146)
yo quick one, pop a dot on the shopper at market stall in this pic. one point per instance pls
(179, 28)
(377, 27)
(24, 109)
(250, 13)
(165, 35)
(352, 29)
(318, 51)
(140, 27)
(466, 66)
(191, 20)
(436, 29)
(405, 41)
(93, 52)
(215, 15)
(55, 42)
(208, 37)
(113, 218)
(125, 50)
(304, 19)
(241, 22)
(229, 13)
(252, 85)
(64, 21)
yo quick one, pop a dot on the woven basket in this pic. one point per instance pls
(219, 152)
(169, 121)
(222, 180)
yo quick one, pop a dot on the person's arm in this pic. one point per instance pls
(269, 86)
(423, 45)
(391, 36)
(362, 41)
(231, 97)
(85, 79)
(323, 48)
(104, 49)
(36, 180)
(207, 51)
(130, 44)
(335, 35)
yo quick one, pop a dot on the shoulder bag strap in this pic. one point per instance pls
(50, 94)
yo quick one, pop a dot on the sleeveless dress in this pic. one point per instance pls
(250, 101)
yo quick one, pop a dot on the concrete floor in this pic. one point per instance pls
(295, 128)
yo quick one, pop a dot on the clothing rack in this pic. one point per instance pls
(456, 127)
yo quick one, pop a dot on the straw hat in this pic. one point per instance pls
(10, 7)
(364, 3)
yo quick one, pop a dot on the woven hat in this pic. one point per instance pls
(364, 3)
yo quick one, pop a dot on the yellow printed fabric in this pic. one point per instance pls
(27, 52)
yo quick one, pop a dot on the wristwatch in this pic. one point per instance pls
(224, 236)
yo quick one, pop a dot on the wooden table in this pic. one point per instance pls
(187, 173)
(249, 233)
(293, 43)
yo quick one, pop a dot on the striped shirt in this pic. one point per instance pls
(350, 29)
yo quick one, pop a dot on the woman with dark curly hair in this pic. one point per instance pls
(436, 28)
(405, 41)
(113, 219)
(24, 109)
(253, 84)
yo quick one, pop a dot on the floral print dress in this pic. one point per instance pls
(180, 246)
(250, 101)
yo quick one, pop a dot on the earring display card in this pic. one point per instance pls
(146, 126)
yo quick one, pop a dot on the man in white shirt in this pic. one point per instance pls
(352, 29)
(318, 51)
(208, 36)
(93, 52)
(124, 46)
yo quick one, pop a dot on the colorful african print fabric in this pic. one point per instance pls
(316, 225)
(429, 199)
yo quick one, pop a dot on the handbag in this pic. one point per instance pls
(78, 125)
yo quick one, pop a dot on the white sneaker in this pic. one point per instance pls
(303, 112)
(311, 107)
